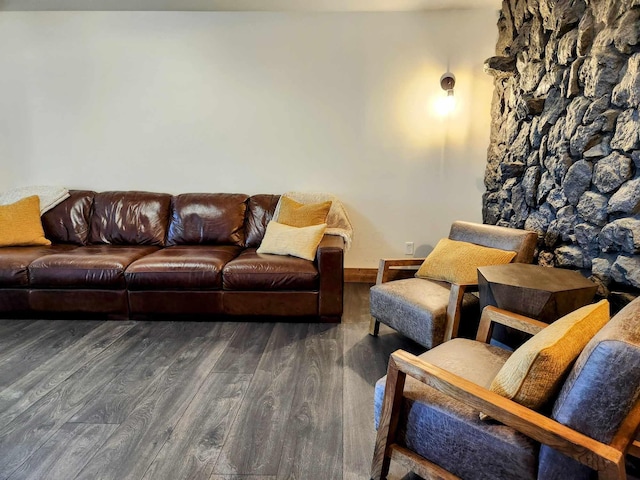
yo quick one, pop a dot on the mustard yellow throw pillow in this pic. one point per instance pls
(302, 215)
(457, 262)
(20, 223)
(534, 372)
(299, 242)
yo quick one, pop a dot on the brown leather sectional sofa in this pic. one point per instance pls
(133, 254)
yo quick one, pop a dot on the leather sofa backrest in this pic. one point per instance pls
(207, 218)
(68, 222)
(130, 218)
(147, 218)
(260, 209)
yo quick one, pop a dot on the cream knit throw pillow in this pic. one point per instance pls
(299, 242)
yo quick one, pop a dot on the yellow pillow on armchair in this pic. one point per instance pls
(457, 262)
(20, 223)
(534, 373)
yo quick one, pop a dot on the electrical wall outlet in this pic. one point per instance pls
(408, 248)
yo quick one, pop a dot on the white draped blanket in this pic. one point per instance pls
(49, 196)
(338, 222)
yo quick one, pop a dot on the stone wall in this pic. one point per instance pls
(564, 156)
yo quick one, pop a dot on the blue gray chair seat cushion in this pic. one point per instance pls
(448, 432)
(417, 308)
(599, 392)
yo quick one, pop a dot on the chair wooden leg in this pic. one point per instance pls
(456, 295)
(374, 327)
(614, 471)
(388, 425)
(634, 449)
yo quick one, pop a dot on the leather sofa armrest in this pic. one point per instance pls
(330, 262)
(331, 241)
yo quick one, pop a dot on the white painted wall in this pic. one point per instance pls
(256, 103)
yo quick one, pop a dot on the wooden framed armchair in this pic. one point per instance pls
(427, 410)
(429, 311)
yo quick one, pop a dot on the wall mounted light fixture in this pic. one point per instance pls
(447, 82)
(448, 103)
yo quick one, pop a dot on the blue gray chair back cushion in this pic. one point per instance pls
(521, 241)
(599, 392)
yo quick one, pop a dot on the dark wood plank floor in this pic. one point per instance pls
(160, 400)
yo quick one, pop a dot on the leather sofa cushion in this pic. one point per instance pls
(195, 267)
(207, 218)
(260, 209)
(130, 218)
(93, 266)
(14, 262)
(68, 222)
(254, 271)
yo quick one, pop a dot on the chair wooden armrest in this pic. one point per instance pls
(607, 460)
(387, 264)
(491, 315)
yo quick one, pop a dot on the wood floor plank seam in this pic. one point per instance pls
(315, 417)
(176, 423)
(245, 349)
(276, 365)
(233, 422)
(217, 395)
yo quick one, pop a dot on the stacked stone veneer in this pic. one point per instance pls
(564, 156)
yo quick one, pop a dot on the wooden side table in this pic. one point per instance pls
(543, 293)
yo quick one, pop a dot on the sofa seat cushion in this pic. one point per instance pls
(450, 433)
(417, 308)
(194, 267)
(255, 271)
(14, 262)
(93, 266)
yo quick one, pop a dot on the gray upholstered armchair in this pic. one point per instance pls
(427, 409)
(429, 311)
